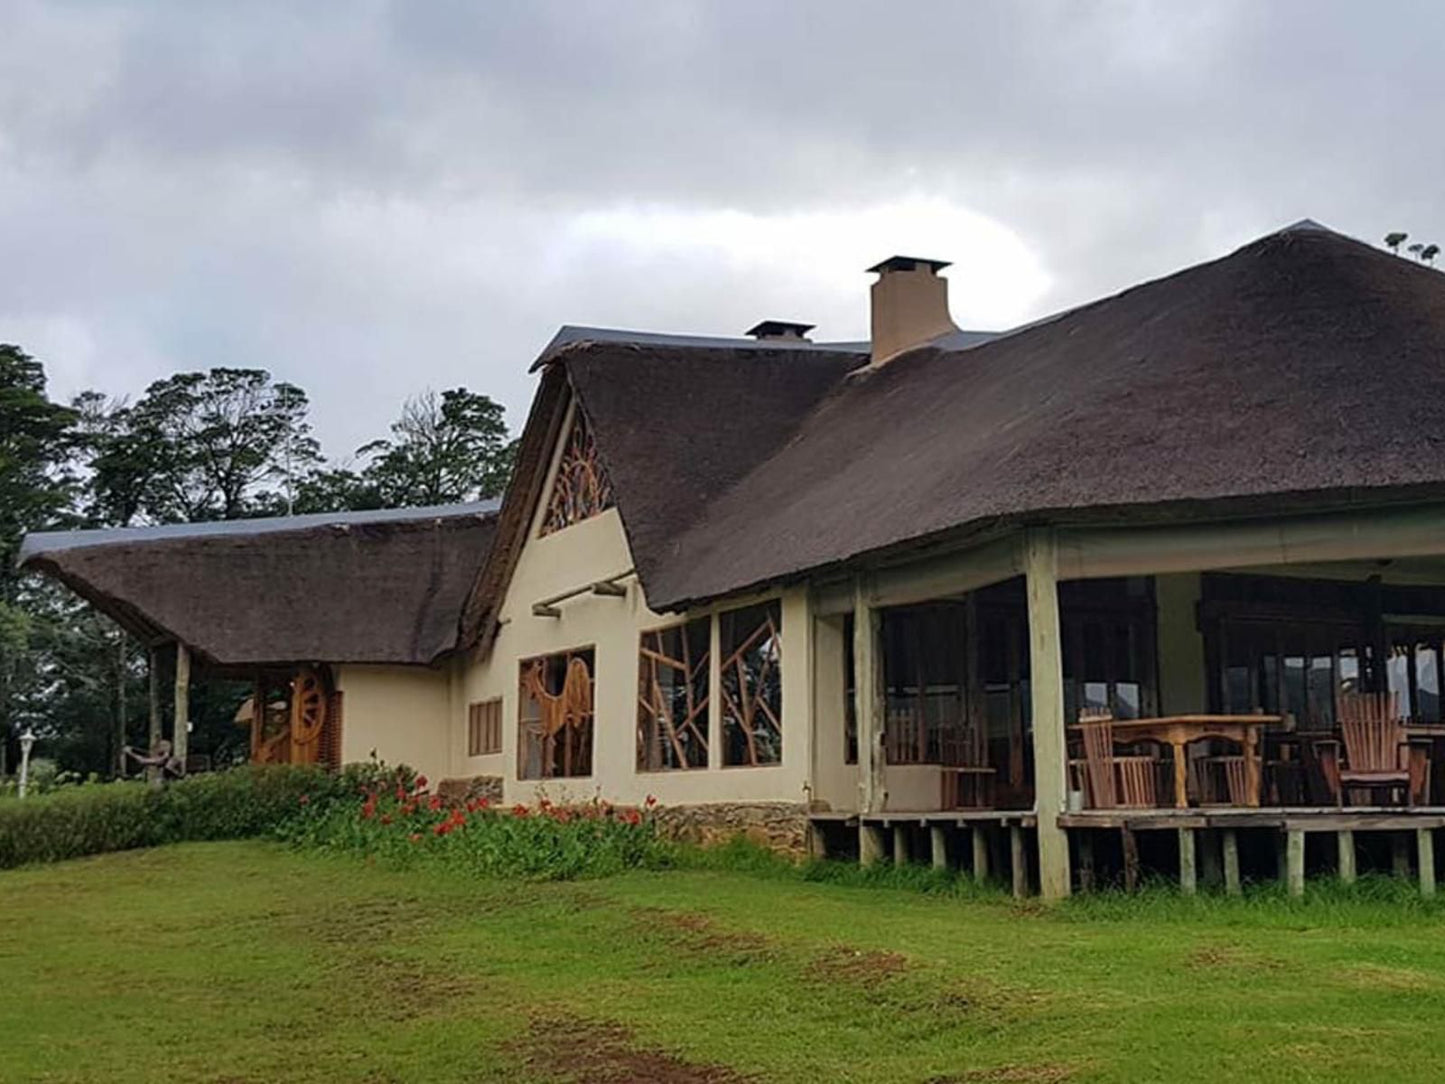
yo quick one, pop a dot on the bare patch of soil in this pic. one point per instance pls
(1010, 1074)
(591, 1053)
(1210, 957)
(700, 935)
(857, 967)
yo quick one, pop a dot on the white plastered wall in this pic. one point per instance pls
(400, 712)
(578, 555)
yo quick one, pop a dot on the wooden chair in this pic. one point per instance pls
(1379, 757)
(1107, 780)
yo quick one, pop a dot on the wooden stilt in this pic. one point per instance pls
(1295, 861)
(1131, 860)
(1210, 872)
(1345, 842)
(1019, 862)
(979, 836)
(938, 837)
(153, 673)
(180, 740)
(121, 707)
(870, 844)
(1229, 844)
(1086, 860)
(1046, 692)
(1400, 854)
(1425, 843)
(900, 845)
(1188, 878)
(1279, 856)
(817, 843)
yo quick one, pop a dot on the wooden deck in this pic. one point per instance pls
(1287, 818)
(947, 818)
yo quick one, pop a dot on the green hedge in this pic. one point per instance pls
(95, 818)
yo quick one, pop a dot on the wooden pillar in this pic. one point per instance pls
(153, 672)
(1294, 849)
(870, 844)
(1230, 846)
(979, 838)
(179, 739)
(900, 844)
(1046, 682)
(817, 842)
(1019, 862)
(1210, 871)
(868, 697)
(1345, 842)
(121, 706)
(1425, 841)
(1085, 837)
(258, 715)
(1131, 859)
(1188, 878)
(938, 838)
(1400, 854)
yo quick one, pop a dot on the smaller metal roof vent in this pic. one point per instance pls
(774, 330)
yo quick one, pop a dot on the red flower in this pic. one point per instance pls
(420, 782)
(386, 818)
(632, 817)
(305, 799)
(651, 801)
(434, 804)
(519, 810)
(415, 837)
(483, 803)
(409, 808)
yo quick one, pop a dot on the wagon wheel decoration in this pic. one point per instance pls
(308, 708)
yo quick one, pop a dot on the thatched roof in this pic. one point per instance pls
(1304, 370)
(357, 587)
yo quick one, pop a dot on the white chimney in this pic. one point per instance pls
(910, 306)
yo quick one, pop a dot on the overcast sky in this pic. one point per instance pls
(373, 198)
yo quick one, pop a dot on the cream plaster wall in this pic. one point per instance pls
(401, 712)
(584, 553)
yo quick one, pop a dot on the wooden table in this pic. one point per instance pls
(1178, 731)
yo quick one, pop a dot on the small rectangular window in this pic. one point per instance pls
(484, 728)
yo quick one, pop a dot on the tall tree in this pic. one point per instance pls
(35, 492)
(443, 449)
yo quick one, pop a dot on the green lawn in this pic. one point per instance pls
(243, 961)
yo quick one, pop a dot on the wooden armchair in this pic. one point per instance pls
(1378, 755)
(1107, 780)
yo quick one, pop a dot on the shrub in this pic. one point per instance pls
(405, 825)
(91, 819)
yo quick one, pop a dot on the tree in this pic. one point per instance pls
(223, 444)
(1394, 240)
(1416, 249)
(36, 486)
(444, 449)
(1430, 251)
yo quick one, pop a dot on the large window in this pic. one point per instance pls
(752, 691)
(672, 697)
(555, 724)
(581, 488)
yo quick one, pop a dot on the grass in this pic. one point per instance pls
(247, 961)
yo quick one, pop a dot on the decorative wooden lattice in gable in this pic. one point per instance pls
(581, 488)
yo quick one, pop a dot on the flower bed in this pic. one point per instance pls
(402, 823)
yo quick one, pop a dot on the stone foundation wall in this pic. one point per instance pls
(780, 826)
(460, 791)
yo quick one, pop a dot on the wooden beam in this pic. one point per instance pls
(1018, 862)
(1294, 849)
(868, 698)
(900, 845)
(1415, 531)
(979, 839)
(1046, 682)
(1425, 842)
(938, 838)
(153, 674)
(180, 739)
(922, 579)
(1399, 854)
(1230, 846)
(1345, 842)
(870, 844)
(1131, 859)
(1188, 878)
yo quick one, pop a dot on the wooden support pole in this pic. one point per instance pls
(1345, 842)
(817, 843)
(1188, 878)
(1425, 842)
(180, 739)
(1294, 849)
(979, 836)
(870, 844)
(938, 838)
(900, 845)
(1400, 854)
(1019, 862)
(1046, 684)
(1085, 837)
(1131, 860)
(153, 673)
(1230, 847)
(1210, 870)
(868, 694)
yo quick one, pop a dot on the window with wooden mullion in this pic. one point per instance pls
(672, 697)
